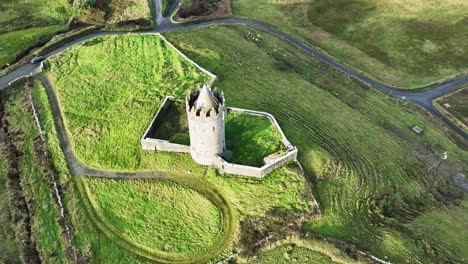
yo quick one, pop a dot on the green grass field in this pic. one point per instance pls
(35, 179)
(292, 253)
(162, 215)
(458, 109)
(14, 43)
(88, 239)
(371, 171)
(446, 225)
(251, 138)
(370, 168)
(25, 24)
(107, 125)
(128, 105)
(401, 43)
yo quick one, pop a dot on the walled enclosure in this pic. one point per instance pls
(271, 162)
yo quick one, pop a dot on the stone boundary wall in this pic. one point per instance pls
(243, 170)
(160, 144)
(213, 77)
(222, 165)
(272, 119)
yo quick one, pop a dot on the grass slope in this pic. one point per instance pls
(251, 138)
(162, 215)
(447, 225)
(35, 179)
(89, 241)
(251, 197)
(282, 188)
(15, 43)
(118, 96)
(24, 24)
(355, 140)
(406, 44)
(301, 251)
(293, 253)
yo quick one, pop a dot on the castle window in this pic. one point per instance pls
(213, 129)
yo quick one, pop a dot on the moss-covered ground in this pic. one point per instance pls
(402, 43)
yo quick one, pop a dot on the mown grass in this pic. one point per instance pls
(401, 43)
(356, 141)
(108, 103)
(35, 179)
(159, 214)
(458, 109)
(251, 138)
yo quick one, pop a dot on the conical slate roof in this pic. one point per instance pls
(206, 99)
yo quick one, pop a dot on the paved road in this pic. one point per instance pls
(424, 98)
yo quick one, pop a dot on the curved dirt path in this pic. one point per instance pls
(423, 99)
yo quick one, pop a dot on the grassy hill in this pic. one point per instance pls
(25, 24)
(372, 171)
(105, 126)
(402, 43)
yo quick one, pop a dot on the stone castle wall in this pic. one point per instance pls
(160, 144)
(163, 145)
(225, 167)
(219, 163)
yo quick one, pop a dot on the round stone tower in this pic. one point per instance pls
(206, 112)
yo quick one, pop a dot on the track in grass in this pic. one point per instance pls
(349, 136)
(177, 220)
